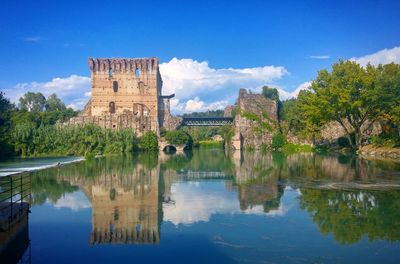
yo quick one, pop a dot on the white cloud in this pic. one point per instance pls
(320, 57)
(70, 89)
(189, 79)
(196, 105)
(32, 39)
(303, 86)
(384, 56)
(196, 202)
(75, 201)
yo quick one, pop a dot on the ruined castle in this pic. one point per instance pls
(126, 93)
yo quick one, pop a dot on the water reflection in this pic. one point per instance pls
(131, 196)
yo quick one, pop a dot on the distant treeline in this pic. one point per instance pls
(209, 113)
(30, 129)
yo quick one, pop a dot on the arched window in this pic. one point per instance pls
(137, 72)
(111, 107)
(115, 86)
(141, 110)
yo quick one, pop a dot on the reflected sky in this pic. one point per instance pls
(211, 206)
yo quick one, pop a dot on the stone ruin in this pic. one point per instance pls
(127, 93)
(255, 121)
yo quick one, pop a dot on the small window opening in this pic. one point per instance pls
(137, 72)
(115, 86)
(111, 107)
(110, 73)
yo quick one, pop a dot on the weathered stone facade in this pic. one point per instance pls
(254, 115)
(126, 93)
(333, 130)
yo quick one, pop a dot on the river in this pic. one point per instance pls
(209, 206)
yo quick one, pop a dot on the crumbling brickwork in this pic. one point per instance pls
(125, 93)
(255, 121)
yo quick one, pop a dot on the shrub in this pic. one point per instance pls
(296, 148)
(278, 141)
(177, 137)
(211, 144)
(148, 141)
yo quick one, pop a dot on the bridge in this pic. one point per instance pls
(206, 121)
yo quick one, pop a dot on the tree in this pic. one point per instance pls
(348, 95)
(32, 102)
(53, 103)
(6, 109)
(388, 81)
(270, 93)
(273, 94)
(291, 118)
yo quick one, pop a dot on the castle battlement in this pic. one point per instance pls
(123, 65)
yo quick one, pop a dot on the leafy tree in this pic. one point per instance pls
(53, 103)
(348, 95)
(270, 93)
(273, 94)
(6, 109)
(291, 117)
(32, 102)
(388, 81)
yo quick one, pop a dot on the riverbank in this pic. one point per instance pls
(380, 152)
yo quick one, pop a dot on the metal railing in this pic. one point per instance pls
(15, 197)
(206, 121)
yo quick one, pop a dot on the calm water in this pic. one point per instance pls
(211, 207)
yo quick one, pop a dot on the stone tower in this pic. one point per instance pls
(126, 89)
(126, 93)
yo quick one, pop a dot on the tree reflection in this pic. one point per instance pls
(350, 215)
(128, 193)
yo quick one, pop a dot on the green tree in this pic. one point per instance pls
(6, 109)
(291, 117)
(32, 102)
(53, 103)
(388, 81)
(348, 95)
(270, 93)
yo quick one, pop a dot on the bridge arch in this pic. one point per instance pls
(164, 146)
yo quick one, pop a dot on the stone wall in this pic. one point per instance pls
(252, 132)
(168, 121)
(126, 93)
(333, 130)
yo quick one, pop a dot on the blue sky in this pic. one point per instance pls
(45, 44)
